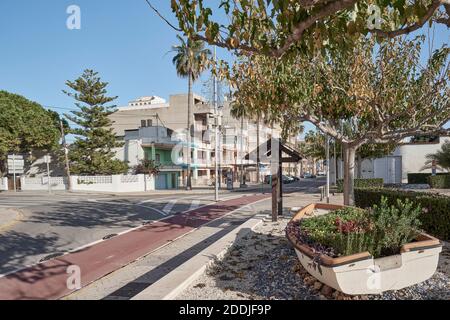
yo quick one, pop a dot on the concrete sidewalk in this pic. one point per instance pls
(48, 280)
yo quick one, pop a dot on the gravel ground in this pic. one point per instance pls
(263, 265)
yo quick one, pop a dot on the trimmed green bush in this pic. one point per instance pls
(361, 183)
(420, 178)
(435, 216)
(439, 182)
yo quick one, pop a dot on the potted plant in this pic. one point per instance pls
(364, 251)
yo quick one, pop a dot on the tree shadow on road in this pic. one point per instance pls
(16, 248)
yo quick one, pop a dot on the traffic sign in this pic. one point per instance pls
(16, 163)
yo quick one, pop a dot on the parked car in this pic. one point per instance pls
(287, 179)
(295, 178)
(309, 176)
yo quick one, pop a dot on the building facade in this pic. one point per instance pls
(155, 129)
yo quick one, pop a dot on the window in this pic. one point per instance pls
(149, 123)
(143, 123)
(158, 158)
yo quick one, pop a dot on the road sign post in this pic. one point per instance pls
(14, 171)
(47, 160)
(15, 166)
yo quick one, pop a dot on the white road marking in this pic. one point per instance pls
(194, 205)
(169, 206)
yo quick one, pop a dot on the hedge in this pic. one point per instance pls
(361, 183)
(421, 178)
(439, 182)
(435, 217)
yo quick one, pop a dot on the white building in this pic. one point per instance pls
(408, 157)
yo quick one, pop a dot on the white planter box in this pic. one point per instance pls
(361, 273)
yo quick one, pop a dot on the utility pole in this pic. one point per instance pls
(243, 185)
(47, 161)
(216, 132)
(258, 160)
(327, 147)
(66, 155)
(14, 171)
(335, 163)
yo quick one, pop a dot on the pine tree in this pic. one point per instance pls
(92, 152)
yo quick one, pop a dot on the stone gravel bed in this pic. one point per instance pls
(264, 266)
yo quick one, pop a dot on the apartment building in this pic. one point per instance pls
(153, 128)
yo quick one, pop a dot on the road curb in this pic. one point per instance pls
(171, 285)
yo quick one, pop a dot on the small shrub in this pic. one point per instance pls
(381, 230)
(361, 183)
(439, 181)
(435, 215)
(394, 226)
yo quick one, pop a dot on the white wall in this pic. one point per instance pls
(41, 183)
(114, 183)
(414, 156)
(131, 151)
(3, 184)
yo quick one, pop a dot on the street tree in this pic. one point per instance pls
(315, 148)
(25, 126)
(370, 94)
(274, 28)
(92, 153)
(190, 61)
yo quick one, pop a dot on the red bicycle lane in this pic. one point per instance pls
(48, 280)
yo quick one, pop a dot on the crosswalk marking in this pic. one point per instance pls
(194, 205)
(169, 206)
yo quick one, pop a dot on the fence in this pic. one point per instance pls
(114, 183)
(3, 184)
(41, 183)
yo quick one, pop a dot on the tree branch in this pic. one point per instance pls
(392, 34)
(162, 17)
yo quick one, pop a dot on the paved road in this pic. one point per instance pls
(64, 222)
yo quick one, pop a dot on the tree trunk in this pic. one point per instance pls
(189, 138)
(349, 173)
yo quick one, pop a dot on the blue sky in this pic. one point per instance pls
(121, 39)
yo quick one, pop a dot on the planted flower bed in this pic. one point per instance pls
(364, 251)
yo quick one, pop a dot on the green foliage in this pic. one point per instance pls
(361, 183)
(440, 181)
(420, 178)
(25, 126)
(381, 230)
(435, 217)
(147, 167)
(279, 27)
(441, 157)
(314, 147)
(190, 58)
(394, 225)
(92, 152)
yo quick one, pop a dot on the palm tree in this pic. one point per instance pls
(441, 158)
(190, 61)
